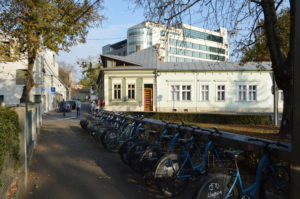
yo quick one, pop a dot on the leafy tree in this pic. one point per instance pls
(64, 76)
(241, 17)
(90, 71)
(35, 25)
(259, 51)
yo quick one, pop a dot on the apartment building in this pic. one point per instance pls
(180, 43)
(48, 87)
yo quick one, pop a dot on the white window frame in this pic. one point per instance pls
(177, 91)
(186, 91)
(251, 92)
(242, 92)
(116, 89)
(131, 91)
(204, 92)
(220, 90)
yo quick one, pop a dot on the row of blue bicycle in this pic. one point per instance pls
(172, 157)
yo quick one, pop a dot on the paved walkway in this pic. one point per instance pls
(69, 164)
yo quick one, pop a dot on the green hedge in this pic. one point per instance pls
(208, 118)
(9, 135)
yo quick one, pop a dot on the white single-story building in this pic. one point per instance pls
(139, 82)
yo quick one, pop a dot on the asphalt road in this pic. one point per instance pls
(69, 164)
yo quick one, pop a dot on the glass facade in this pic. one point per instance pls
(196, 54)
(201, 35)
(186, 44)
(106, 49)
(139, 38)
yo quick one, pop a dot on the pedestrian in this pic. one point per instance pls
(102, 105)
(78, 107)
(93, 107)
(63, 107)
(97, 106)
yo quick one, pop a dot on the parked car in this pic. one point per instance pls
(68, 107)
(72, 103)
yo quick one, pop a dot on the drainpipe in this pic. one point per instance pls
(155, 82)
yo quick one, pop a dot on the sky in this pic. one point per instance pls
(119, 17)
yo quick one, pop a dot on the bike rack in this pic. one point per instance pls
(225, 138)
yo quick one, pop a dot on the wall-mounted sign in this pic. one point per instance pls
(52, 89)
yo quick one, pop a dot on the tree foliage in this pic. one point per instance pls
(90, 72)
(56, 25)
(259, 51)
(65, 76)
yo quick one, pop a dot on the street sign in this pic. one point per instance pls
(52, 89)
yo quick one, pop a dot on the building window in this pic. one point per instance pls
(242, 93)
(21, 75)
(204, 92)
(247, 92)
(186, 92)
(221, 93)
(131, 91)
(175, 92)
(117, 91)
(252, 92)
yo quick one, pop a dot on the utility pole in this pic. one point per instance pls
(295, 159)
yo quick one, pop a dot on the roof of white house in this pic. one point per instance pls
(146, 59)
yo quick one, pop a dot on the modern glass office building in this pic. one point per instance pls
(180, 43)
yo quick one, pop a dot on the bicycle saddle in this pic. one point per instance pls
(233, 154)
(152, 132)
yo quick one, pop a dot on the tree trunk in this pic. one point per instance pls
(29, 82)
(281, 64)
(286, 121)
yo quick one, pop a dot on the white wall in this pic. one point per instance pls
(44, 81)
(231, 80)
(12, 92)
(130, 77)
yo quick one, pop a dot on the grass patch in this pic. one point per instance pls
(260, 131)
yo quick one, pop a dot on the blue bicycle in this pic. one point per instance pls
(223, 186)
(174, 170)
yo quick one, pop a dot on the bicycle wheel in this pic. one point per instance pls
(111, 140)
(103, 136)
(216, 186)
(149, 159)
(123, 151)
(134, 155)
(166, 176)
(280, 177)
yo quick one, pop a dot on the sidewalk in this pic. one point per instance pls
(69, 164)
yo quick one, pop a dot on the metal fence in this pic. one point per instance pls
(30, 124)
(229, 139)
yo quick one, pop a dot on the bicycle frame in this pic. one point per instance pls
(252, 189)
(201, 167)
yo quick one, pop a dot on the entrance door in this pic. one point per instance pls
(148, 97)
